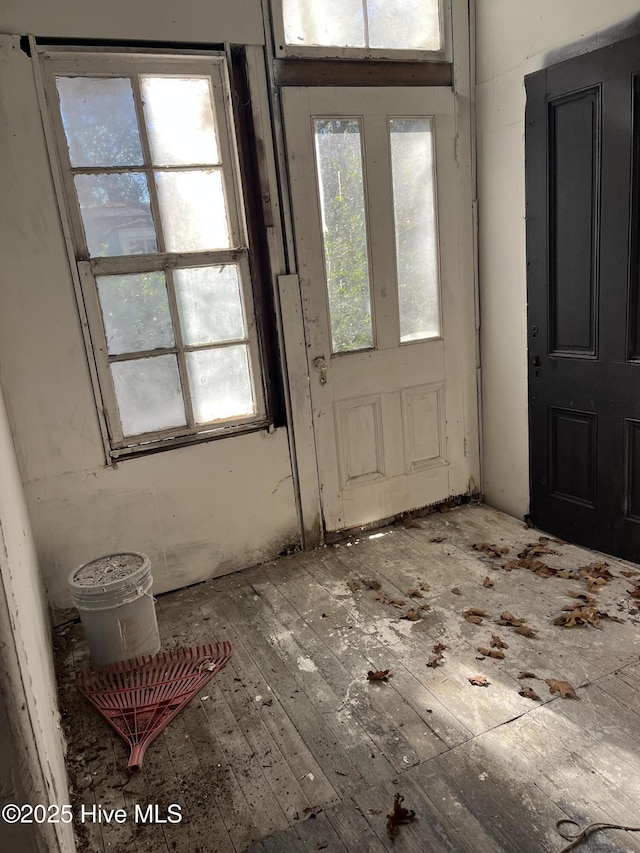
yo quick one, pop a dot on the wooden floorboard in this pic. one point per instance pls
(290, 748)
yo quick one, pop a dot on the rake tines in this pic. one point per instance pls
(139, 697)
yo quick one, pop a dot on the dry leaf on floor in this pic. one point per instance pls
(437, 657)
(596, 570)
(507, 618)
(561, 687)
(474, 611)
(489, 549)
(577, 615)
(456, 590)
(535, 549)
(568, 574)
(525, 674)
(586, 614)
(385, 598)
(448, 505)
(528, 693)
(525, 630)
(379, 675)
(628, 574)
(491, 653)
(594, 583)
(397, 816)
(546, 571)
(353, 585)
(479, 681)
(498, 643)
(370, 583)
(487, 582)
(510, 565)
(414, 593)
(582, 596)
(407, 519)
(412, 615)
(537, 566)
(475, 620)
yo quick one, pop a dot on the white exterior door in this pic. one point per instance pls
(388, 316)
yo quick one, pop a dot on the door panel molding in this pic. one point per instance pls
(574, 174)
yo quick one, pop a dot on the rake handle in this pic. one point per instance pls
(135, 757)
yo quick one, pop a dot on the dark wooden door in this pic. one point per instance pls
(583, 248)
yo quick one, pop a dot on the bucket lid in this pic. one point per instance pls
(112, 571)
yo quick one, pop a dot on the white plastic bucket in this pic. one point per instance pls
(113, 596)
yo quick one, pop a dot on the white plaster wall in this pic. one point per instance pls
(206, 21)
(199, 511)
(514, 38)
(26, 665)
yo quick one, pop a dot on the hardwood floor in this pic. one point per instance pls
(291, 748)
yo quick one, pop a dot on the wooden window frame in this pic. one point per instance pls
(282, 50)
(234, 134)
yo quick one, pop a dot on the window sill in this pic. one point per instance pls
(176, 442)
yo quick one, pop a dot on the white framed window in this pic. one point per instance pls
(362, 29)
(150, 173)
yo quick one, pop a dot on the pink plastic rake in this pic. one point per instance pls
(139, 697)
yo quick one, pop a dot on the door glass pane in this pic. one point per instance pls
(135, 312)
(99, 121)
(220, 383)
(180, 121)
(344, 232)
(149, 394)
(414, 210)
(408, 24)
(329, 22)
(209, 304)
(193, 210)
(115, 213)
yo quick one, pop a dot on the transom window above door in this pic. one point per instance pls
(152, 185)
(361, 28)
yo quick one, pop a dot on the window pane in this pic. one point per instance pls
(209, 304)
(115, 212)
(412, 166)
(399, 24)
(341, 187)
(324, 22)
(192, 206)
(408, 24)
(220, 383)
(99, 121)
(148, 394)
(180, 121)
(135, 312)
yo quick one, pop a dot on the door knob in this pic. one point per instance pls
(320, 365)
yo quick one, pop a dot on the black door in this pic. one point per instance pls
(583, 248)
